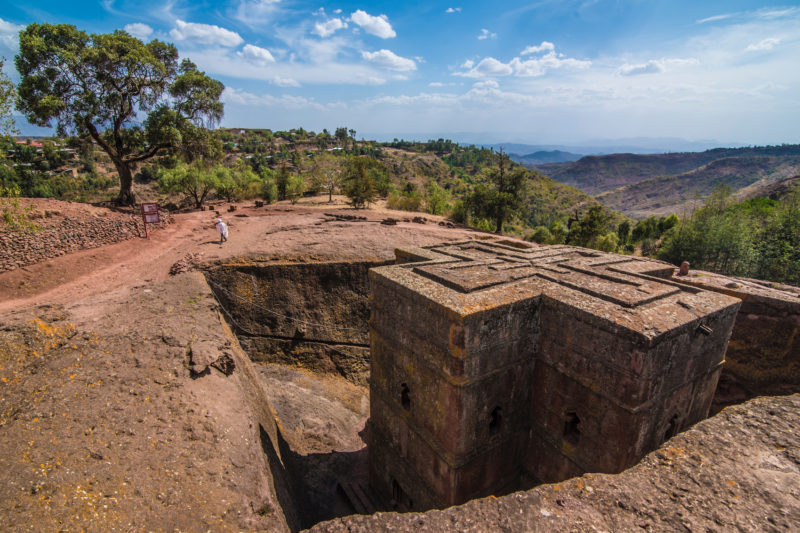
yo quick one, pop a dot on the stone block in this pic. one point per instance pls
(492, 360)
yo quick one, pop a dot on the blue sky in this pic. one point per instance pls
(541, 72)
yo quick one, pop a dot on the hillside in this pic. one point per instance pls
(775, 191)
(402, 172)
(746, 175)
(597, 174)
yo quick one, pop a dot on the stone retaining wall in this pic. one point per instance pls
(70, 235)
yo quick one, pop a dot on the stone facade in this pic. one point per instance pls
(495, 366)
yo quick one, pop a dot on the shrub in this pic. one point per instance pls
(404, 202)
(541, 235)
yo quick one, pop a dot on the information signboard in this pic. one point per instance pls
(149, 216)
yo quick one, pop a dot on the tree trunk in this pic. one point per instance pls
(126, 196)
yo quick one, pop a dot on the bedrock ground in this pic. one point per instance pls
(127, 404)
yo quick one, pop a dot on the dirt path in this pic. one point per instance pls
(277, 230)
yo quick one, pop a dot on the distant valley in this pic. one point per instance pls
(644, 185)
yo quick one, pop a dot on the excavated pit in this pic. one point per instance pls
(305, 327)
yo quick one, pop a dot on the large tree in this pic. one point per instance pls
(133, 99)
(504, 195)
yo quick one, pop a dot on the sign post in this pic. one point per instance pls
(149, 216)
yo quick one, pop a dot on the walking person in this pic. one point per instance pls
(223, 230)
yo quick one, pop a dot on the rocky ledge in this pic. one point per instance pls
(737, 471)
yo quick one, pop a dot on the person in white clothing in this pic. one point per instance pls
(223, 230)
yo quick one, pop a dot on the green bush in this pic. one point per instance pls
(295, 188)
(404, 202)
(541, 235)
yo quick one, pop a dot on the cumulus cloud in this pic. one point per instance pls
(490, 66)
(544, 47)
(137, 29)
(329, 27)
(486, 34)
(453, 10)
(389, 60)
(766, 44)
(256, 54)
(654, 66)
(205, 34)
(378, 26)
(9, 34)
(535, 66)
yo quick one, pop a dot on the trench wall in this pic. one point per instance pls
(763, 356)
(312, 315)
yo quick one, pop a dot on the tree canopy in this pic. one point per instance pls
(357, 181)
(7, 97)
(102, 85)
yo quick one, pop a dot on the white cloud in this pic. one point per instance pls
(284, 82)
(378, 26)
(490, 66)
(715, 18)
(468, 64)
(536, 66)
(286, 101)
(766, 44)
(654, 66)
(388, 59)
(205, 34)
(487, 84)
(137, 29)
(544, 47)
(9, 34)
(254, 13)
(313, 68)
(759, 14)
(329, 27)
(453, 10)
(767, 13)
(436, 84)
(651, 67)
(256, 54)
(486, 34)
